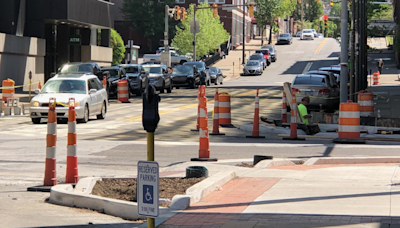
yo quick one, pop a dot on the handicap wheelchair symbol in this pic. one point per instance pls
(148, 194)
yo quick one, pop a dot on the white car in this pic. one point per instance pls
(87, 90)
(307, 34)
(315, 33)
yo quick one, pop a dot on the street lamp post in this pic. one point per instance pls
(244, 31)
(343, 54)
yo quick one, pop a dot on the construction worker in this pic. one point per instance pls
(302, 107)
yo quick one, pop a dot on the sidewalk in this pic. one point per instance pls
(300, 196)
(232, 65)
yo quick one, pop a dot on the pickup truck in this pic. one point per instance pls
(175, 58)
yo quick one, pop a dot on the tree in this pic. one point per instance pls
(117, 44)
(268, 10)
(311, 8)
(147, 17)
(212, 33)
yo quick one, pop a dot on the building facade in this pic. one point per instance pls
(39, 36)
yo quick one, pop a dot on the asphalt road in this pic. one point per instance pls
(112, 147)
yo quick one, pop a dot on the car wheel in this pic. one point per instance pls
(209, 82)
(216, 81)
(85, 118)
(36, 120)
(102, 114)
(169, 90)
(162, 88)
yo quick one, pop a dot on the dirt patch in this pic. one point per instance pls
(245, 165)
(125, 189)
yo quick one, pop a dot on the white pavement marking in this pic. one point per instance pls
(307, 68)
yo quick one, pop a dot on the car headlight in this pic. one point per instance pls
(35, 103)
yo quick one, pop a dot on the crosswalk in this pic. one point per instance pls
(178, 111)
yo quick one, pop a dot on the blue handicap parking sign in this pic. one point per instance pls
(148, 194)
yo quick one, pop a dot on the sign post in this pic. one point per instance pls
(147, 175)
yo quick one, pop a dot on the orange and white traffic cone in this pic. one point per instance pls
(216, 115)
(204, 148)
(256, 124)
(293, 120)
(50, 174)
(284, 108)
(198, 111)
(72, 159)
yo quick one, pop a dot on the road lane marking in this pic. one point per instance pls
(138, 118)
(307, 68)
(320, 46)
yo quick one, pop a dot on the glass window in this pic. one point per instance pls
(213, 70)
(255, 57)
(310, 81)
(113, 73)
(252, 63)
(183, 70)
(152, 70)
(264, 52)
(97, 84)
(72, 68)
(132, 70)
(65, 86)
(199, 66)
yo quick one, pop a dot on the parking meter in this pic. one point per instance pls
(150, 116)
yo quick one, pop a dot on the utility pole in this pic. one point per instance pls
(353, 49)
(363, 43)
(244, 31)
(302, 15)
(166, 46)
(194, 33)
(344, 54)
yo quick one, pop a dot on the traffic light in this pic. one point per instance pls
(331, 3)
(299, 1)
(251, 10)
(177, 13)
(184, 14)
(326, 20)
(215, 10)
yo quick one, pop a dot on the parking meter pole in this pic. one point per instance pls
(30, 85)
(150, 157)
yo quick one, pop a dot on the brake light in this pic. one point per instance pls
(295, 90)
(324, 91)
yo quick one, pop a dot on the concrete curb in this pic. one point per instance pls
(66, 195)
(264, 130)
(354, 160)
(80, 196)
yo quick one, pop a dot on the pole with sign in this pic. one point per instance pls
(147, 175)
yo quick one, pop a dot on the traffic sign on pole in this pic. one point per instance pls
(193, 27)
(147, 188)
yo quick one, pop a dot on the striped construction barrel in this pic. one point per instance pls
(366, 102)
(349, 120)
(8, 91)
(224, 109)
(123, 91)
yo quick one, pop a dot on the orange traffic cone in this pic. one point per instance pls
(50, 176)
(256, 122)
(40, 85)
(204, 150)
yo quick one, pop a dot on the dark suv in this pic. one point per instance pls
(205, 78)
(137, 78)
(114, 74)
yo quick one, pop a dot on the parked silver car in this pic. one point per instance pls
(252, 67)
(260, 58)
(322, 93)
(87, 90)
(159, 77)
(285, 38)
(307, 34)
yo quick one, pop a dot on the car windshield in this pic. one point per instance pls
(284, 35)
(70, 68)
(320, 81)
(252, 63)
(213, 70)
(199, 66)
(183, 70)
(264, 52)
(152, 69)
(113, 72)
(65, 86)
(256, 57)
(132, 70)
(307, 31)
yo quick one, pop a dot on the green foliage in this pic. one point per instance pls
(147, 17)
(378, 11)
(212, 33)
(312, 10)
(117, 44)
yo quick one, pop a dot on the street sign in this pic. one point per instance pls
(147, 188)
(166, 58)
(192, 26)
